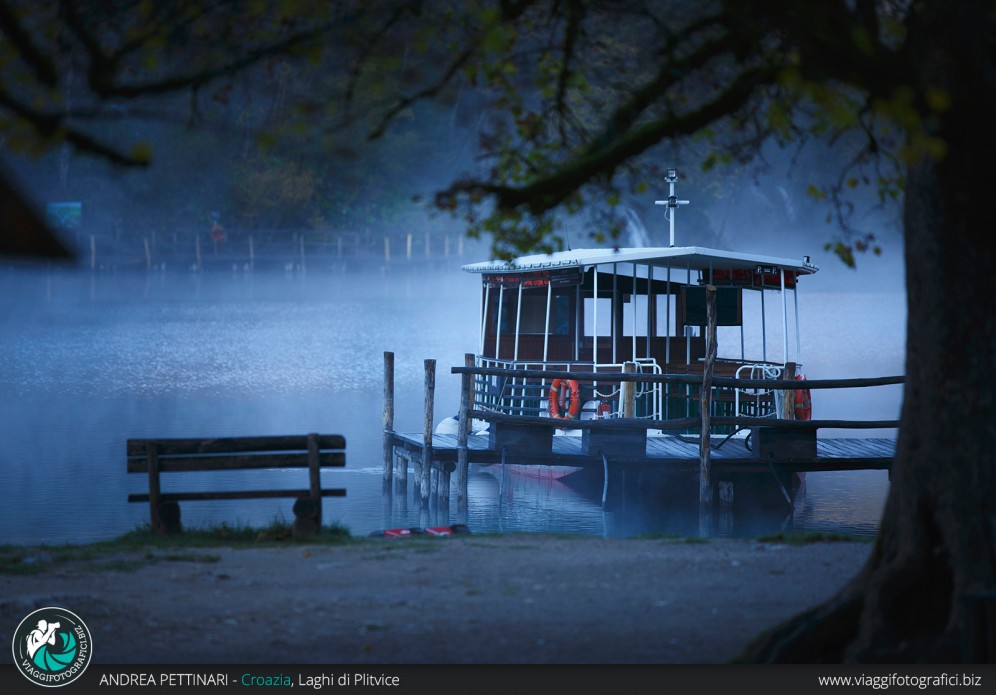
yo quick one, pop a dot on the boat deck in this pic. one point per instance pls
(671, 453)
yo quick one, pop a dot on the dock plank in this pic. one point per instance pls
(674, 453)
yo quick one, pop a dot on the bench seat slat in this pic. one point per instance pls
(169, 464)
(234, 445)
(234, 495)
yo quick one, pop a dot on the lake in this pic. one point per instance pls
(90, 360)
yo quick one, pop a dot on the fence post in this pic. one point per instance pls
(705, 407)
(388, 418)
(463, 431)
(430, 394)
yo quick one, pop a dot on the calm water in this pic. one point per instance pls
(89, 361)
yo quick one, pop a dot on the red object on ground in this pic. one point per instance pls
(432, 531)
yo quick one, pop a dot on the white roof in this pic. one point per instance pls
(696, 257)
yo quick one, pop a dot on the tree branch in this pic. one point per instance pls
(546, 193)
(34, 56)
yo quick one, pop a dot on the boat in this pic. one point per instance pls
(642, 309)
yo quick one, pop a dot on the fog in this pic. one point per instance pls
(91, 359)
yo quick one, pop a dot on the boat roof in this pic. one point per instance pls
(695, 257)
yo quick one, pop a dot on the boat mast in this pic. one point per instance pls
(672, 201)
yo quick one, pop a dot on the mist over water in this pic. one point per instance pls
(91, 360)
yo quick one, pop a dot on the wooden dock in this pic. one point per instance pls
(777, 447)
(664, 453)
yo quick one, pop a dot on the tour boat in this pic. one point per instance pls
(598, 310)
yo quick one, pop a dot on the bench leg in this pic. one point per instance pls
(169, 518)
(307, 517)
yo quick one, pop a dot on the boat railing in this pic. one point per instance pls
(514, 392)
(759, 401)
(676, 421)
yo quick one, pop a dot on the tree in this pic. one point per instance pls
(911, 88)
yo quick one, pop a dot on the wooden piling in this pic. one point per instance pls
(627, 391)
(388, 418)
(408, 247)
(252, 254)
(197, 251)
(93, 252)
(148, 254)
(463, 429)
(430, 395)
(387, 249)
(789, 396)
(705, 407)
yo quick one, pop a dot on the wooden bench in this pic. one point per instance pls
(312, 451)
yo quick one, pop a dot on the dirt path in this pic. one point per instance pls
(512, 599)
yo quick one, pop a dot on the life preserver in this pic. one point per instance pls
(803, 402)
(564, 392)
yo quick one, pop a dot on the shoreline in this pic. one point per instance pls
(522, 598)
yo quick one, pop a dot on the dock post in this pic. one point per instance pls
(430, 395)
(788, 401)
(388, 418)
(148, 254)
(628, 391)
(463, 431)
(705, 407)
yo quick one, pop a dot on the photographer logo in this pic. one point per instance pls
(52, 647)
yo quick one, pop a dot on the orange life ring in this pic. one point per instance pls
(803, 402)
(559, 397)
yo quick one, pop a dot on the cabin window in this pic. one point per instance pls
(533, 316)
(604, 316)
(639, 304)
(666, 307)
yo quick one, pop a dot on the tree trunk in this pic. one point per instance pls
(937, 538)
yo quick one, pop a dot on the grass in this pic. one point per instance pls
(142, 547)
(804, 537)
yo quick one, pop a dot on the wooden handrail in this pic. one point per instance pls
(779, 384)
(674, 424)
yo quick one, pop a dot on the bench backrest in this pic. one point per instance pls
(156, 456)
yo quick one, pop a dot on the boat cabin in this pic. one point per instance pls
(593, 310)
